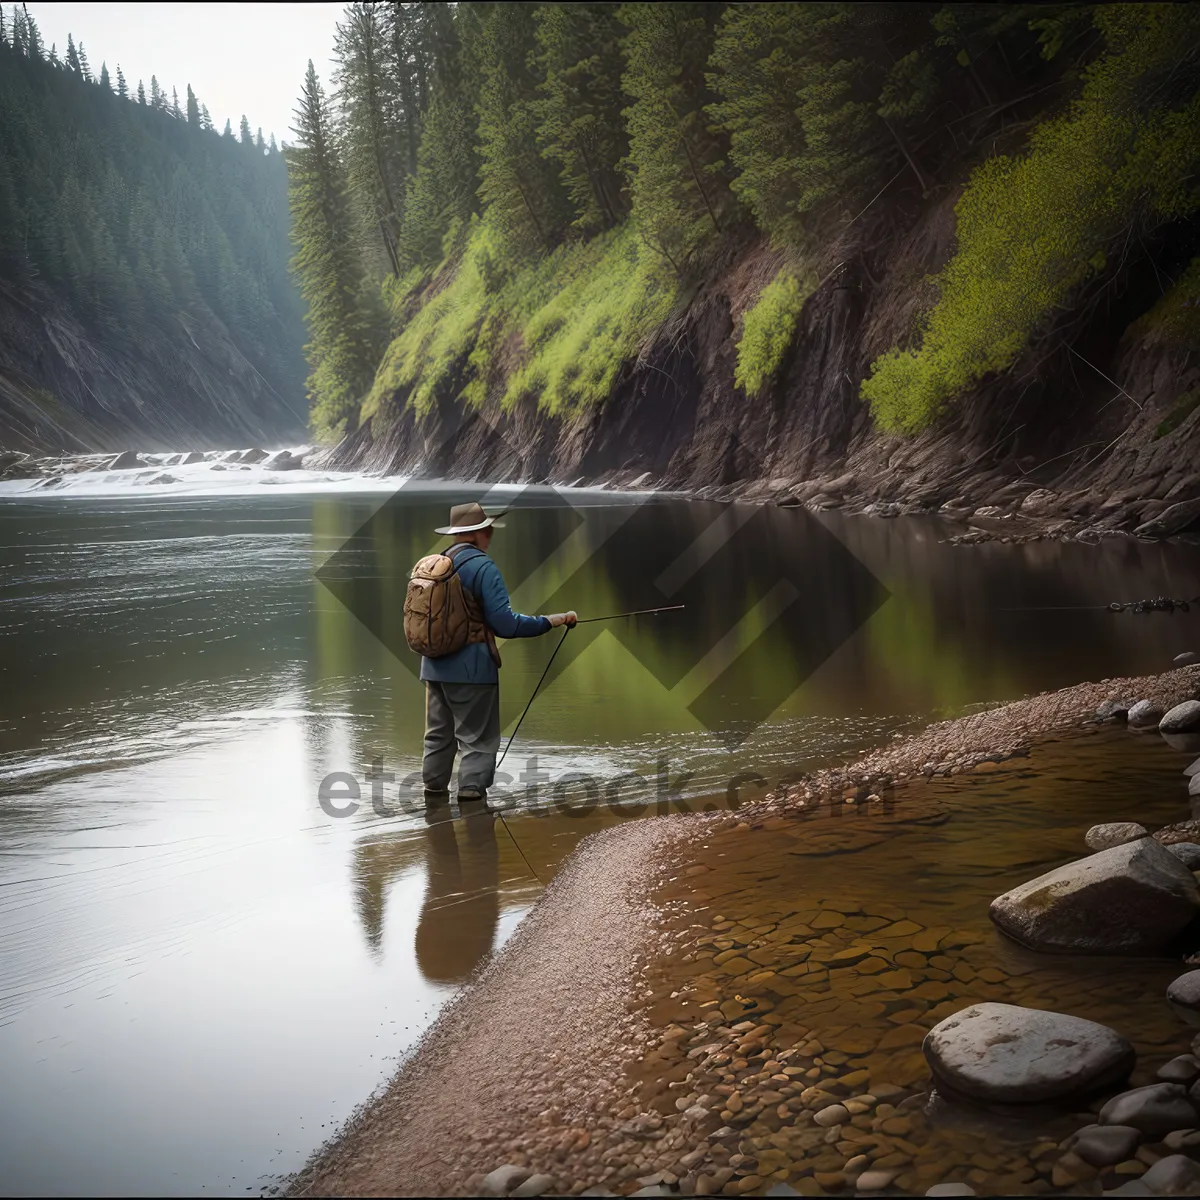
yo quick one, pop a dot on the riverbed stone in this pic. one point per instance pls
(1184, 1068)
(1173, 520)
(1184, 992)
(1188, 853)
(1114, 833)
(1183, 718)
(1116, 708)
(1186, 659)
(1131, 899)
(1145, 714)
(503, 1179)
(1004, 1053)
(1175, 1175)
(1104, 1145)
(951, 1189)
(535, 1185)
(1155, 1110)
(127, 460)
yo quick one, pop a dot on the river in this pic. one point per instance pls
(204, 969)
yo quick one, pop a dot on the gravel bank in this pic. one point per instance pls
(525, 1065)
(978, 741)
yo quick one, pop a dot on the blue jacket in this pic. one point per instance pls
(473, 663)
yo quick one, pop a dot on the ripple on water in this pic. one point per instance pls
(810, 954)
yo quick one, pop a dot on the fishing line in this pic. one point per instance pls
(512, 737)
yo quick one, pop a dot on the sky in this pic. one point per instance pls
(239, 58)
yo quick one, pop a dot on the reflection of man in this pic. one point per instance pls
(462, 905)
(462, 690)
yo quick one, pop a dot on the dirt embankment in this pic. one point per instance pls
(1089, 433)
(535, 1067)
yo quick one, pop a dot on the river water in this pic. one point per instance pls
(203, 970)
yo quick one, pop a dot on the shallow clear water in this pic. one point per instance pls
(202, 972)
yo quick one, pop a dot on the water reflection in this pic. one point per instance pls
(460, 912)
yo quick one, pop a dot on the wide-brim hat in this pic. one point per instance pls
(466, 518)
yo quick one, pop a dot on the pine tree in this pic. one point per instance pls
(33, 39)
(193, 107)
(442, 194)
(53, 50)
(580, 126)
(375, 162)
(141, 92)
(157, 99)
(341, 347)
(176, 112)
(122, 88)
(205, 119)
(259, 144)
(244, 134)
(105, 82)
(228, 130)
(84, 70)
(272, 148)
(520, 191)
(72, 55)
(680, 194)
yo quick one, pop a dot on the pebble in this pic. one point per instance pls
(874, 1181)
(1184, 992)
(1183, 1069)
(1145, 714)
(1104, 1145)
(1183, 718)
(1154, 1110)
(834, 1114)
(503, 1179)
(1114, 833)
(535, 1185)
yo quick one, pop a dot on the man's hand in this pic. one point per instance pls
(567, 618)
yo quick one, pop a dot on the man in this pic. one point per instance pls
(462, 690)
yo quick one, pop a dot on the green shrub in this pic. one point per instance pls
(1032, 229)
(768, 328)
(558, 326)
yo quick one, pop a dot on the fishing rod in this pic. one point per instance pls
(641, 612)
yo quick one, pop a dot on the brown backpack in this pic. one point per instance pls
(440, 615)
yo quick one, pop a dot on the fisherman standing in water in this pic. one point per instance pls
(456, 606)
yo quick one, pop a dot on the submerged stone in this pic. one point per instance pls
(1004, 1053)
(1145, 714)
(1183, 718)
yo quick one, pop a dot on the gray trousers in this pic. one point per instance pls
(466, 715)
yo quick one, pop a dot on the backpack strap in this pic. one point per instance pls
(452, 552)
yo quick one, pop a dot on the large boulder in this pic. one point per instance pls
(192, 456)
(1183, 718)
(1104, 1145)
(1194, 785)
(1006, 1054)
(1114, 833)
(253, 455)
(1186, 659)
(127, 460)
(1132, 899)
(1154, 1110)
(285, 460)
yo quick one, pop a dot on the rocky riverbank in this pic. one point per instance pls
(50, 472)
(732, 1003)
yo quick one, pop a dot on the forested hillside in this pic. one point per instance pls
(608, 227)
(145, 297)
